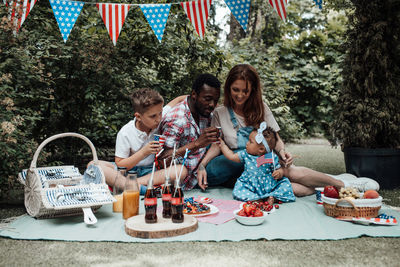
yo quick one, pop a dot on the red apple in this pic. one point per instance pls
(331, 191)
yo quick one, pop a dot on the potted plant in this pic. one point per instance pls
(367, 113)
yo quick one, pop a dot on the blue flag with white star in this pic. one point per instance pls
(240, 9)
(66, 13)
(157, 16)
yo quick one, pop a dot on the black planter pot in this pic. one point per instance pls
(382, 165)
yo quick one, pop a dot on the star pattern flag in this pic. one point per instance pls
(18, 11)
(280, 8)
(266, 158)
(197, 12)
(66, 13)
(113, 16)
(157, 16)
(240, 9)
(318, 3)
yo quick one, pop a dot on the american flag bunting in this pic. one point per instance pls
(18, 11)
(66, 13)
(157, 16)
(240, 9)
(113, 16)
(197, 12)
(280, 7)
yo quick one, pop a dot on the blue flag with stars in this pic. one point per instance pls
(240, 9)
(157, 16)
(66, 13)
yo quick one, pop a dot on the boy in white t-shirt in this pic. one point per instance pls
(135, 147)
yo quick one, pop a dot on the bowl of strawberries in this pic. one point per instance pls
(250, 214)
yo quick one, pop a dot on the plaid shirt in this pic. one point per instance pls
(180, 128)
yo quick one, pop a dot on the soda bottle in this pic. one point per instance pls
(130, 201)
(177, 204)
(166, 198)
(150, 204)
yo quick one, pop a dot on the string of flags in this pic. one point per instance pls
(113, 15)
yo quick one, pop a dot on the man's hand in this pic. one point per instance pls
(202, 177)
(278, 174)
(207, 137)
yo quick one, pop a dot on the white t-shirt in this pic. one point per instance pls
(222, 118)
(130, 140)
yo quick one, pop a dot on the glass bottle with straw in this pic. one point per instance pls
(150, 200)
(166, 194)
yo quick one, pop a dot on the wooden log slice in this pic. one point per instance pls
(137, 227)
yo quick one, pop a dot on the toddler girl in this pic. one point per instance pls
(262, 177)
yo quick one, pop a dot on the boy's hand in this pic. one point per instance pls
(152, 147)
(278, 174)
(207, 137)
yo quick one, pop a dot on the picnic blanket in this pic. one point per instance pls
(300, 220)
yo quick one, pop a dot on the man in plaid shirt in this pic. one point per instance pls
(187, 125)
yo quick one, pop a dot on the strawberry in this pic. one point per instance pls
(258, 213)
(241, 213)
(247, 209)
(276, 206)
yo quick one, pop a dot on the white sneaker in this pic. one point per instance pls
(344, 177)
(362, 184)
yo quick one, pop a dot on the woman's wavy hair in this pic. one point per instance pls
(253, 108)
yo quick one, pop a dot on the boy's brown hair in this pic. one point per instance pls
(144, 98)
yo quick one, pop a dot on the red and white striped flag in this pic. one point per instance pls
(197, 12)
(280, 7)
(18, 11)
(113, 16)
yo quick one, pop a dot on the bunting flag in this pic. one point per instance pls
(318, 3)
(66, 13)
(280, 8)
(157, 16)
(18, 11)
(113, 16)
(197, 12)
(266, 158)
(240, 9)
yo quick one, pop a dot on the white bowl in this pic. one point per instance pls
(249, 220)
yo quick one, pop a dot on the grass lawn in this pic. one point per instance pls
(316, 154)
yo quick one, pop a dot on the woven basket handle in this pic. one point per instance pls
(51, 138)
(349, 201)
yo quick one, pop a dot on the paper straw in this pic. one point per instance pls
(172, 159)
(183, 163)
(152, 174)
(176, 174)
(165, 170)
(158, 154)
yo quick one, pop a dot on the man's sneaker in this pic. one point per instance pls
(362, 184)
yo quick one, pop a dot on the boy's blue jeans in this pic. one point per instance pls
(221, 170)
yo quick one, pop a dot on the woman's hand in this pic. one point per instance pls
(286, 157)
(202, 177)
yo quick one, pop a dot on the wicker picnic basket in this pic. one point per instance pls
(61, 190)
(367, 208)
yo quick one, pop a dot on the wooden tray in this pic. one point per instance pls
(137, 227)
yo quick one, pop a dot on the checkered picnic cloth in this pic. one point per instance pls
(180, 128)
